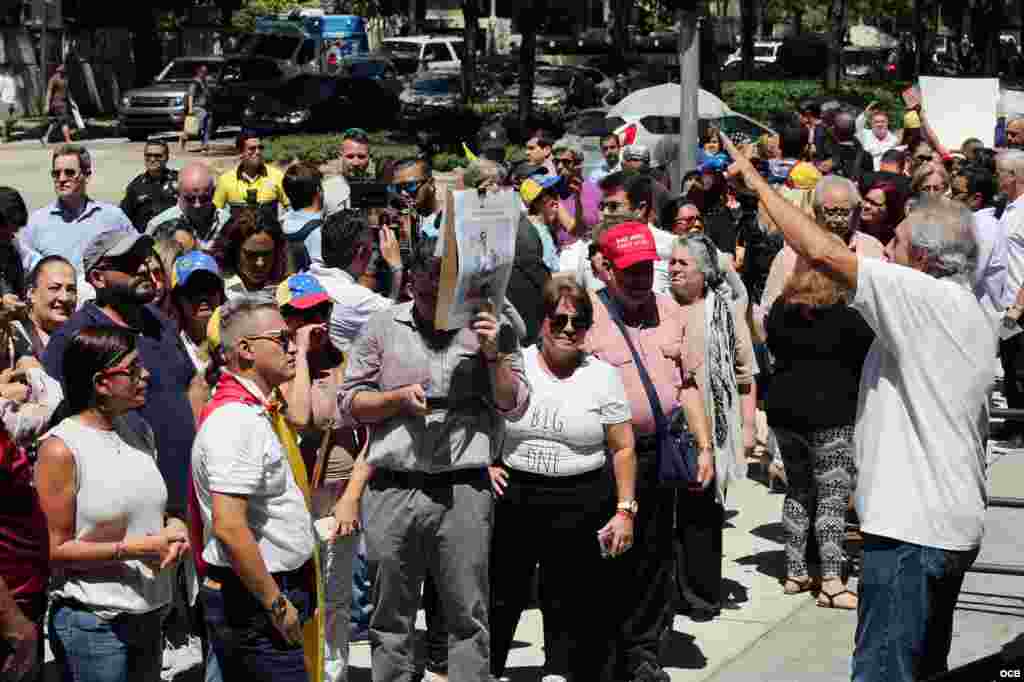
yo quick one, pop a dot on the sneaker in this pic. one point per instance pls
(553, 678)
(645, 672)
(169, 658)
(185, 657)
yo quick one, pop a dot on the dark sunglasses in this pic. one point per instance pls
(197, 199)
(282, 337)
(565, 162)
(924, 158)
(579, 323)
(66, 173)
(410, 187)
(612, 206)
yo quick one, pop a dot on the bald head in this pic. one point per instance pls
(195, 179)
(844, 125)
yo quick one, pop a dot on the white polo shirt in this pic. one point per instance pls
(236, 452)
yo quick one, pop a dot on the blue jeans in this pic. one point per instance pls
(362, 603)
(247, 645)
(91, 649)
(213, 612)
(908, 594)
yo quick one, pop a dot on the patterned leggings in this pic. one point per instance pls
(821, 474)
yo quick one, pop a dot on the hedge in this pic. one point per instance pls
(323, 148)
(766, 100)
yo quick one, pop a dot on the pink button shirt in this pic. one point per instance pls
(658, 340)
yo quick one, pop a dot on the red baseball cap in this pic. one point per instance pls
(627, 244)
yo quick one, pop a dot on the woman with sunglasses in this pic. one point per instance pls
(725, 360)
(252, 252)
(554, 497)
(329, 452)
(931, 179)
(104, 499)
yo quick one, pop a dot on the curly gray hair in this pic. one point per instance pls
(945, 232)
(705, 253)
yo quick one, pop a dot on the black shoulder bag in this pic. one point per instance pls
(677, 455)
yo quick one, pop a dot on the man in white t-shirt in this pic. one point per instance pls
(348, 246)
(257, 532)
(922, 421)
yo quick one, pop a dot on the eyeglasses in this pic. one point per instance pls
(565, 162)
(934, 189)
(132, 371)
(411, 187)
(923, 158)
(579, 323)
(197, 199)
(838, 212)
(612, 206)
(66, 173)
(282, 337)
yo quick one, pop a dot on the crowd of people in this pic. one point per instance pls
(231, 421)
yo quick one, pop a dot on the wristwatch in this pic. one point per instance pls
(279, 607)
(628, 506)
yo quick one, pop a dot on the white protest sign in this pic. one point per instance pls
(960, 108)
(479, 245)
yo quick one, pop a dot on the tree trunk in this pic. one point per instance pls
(471, 17)
(837, 36)
(145, 45)
(709, 65)
(621, 10)
(689, 72)
(749, 24)
(527, 65)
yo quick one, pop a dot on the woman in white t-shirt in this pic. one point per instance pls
(554, 493)
(104, 498)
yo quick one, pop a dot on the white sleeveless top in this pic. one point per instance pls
(119, 493)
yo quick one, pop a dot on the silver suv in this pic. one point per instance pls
(160, 106)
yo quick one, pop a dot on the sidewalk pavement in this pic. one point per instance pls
(768, 636)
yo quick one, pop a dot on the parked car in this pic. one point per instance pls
(870, 63)
(412, 54)
(242, 77)
(434, 100)
(160, 106)
(315, 103)
(765, 52)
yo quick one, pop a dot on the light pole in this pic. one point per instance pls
(689, 86)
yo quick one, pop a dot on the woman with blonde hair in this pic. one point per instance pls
(931, 179)
(819, 344)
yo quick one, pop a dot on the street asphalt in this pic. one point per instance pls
(763, 634)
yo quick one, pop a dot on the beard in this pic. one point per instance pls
(838, 226)
(138, 293)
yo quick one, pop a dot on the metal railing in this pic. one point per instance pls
(1010, 415)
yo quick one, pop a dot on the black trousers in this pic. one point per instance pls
(1011, 354)
(700, 521)
(639, 584)
(553, 522)
(435, 642)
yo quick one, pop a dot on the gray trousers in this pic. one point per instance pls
(442, 529)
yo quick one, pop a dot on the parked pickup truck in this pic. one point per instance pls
(160, 106)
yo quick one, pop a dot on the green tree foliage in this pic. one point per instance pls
(245, 18)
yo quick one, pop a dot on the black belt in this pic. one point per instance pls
(284, 579)
(444, 403)
(422, 479)
(646, 444)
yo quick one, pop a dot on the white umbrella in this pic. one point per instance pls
(663, 100)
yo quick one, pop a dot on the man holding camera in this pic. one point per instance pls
(355, 167)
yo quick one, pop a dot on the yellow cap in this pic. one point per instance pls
(804, 176)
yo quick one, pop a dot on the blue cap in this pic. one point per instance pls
(301, 291)
(191, 263)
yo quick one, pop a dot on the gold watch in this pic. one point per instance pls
(630, 506)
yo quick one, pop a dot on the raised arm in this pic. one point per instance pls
(802, 234)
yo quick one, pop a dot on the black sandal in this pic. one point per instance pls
(802, 585)
(832, 600)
